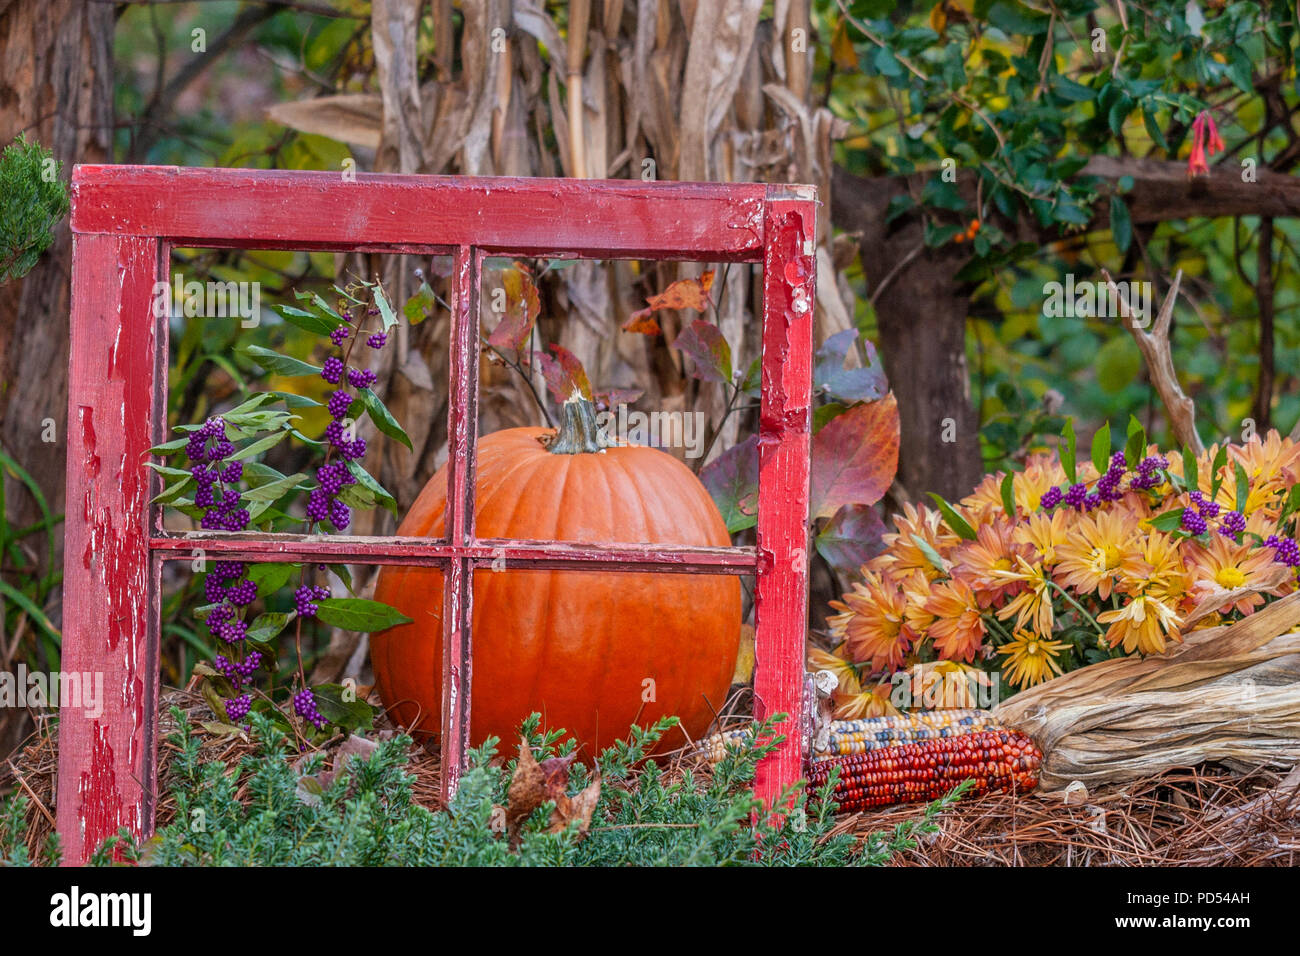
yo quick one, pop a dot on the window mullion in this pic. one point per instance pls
(457, 592)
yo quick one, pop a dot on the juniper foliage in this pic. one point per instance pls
(33, 200)
(366, 815)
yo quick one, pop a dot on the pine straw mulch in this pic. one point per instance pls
(1202, 816)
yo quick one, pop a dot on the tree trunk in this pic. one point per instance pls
(56, 86)
(921, 313)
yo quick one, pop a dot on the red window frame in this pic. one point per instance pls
(126, 219)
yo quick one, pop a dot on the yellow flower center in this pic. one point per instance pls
(1002, 564)
(1230, 578)
(1031, 648)
(1105, 559)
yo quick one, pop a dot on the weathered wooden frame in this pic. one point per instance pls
(125, 220)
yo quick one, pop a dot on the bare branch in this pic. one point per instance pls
(1157, 352)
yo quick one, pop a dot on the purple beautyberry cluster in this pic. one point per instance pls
(332, 371)
(237, 707)
(305, 599)
(339, 403)
(1051, 498)
(361, 377)
(1207, 508)
(238, 672)
(1108, 484)
(1193, 523)
(208, 448)
(226, 587)
(304, 705)
(340, 335)
(1076, 495)
(1148, 475)
(225, 624)
(1232, 524)
(1285, 550)
(378, 340)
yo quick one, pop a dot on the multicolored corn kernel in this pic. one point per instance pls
(871, 733)
(997, 760)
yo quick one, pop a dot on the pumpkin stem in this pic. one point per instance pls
(579, 433)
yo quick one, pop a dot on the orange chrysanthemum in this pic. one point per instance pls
(1089, 560)
(994, 549)
(871, 623)
(958, 629)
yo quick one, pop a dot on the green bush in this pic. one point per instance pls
(366, 816)
(32, 202)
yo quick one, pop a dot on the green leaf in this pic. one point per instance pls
(357, 496)
(274, 490)
(358, 614)
(281, 364)
(1243, 487)
(954, 521)
(1169, 520)
(270, 577)
(379, 491)
(382, 418)
(28, 605)
(267, 627)
(1101, 448)
(259, 446)
(174, 490)
(341, 705)
(1008, 495)
(308, 321)
(1191, 479)
(166, 448)
(1121, 225)
(320, 303)
(1136, 446)
(1216, 470)
(385, 309)
(1153, 128)
(1291, 505)
(1068, 452)
(419, 306)
(931, 555)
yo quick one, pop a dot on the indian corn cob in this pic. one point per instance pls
(871, 733)
(910, 773)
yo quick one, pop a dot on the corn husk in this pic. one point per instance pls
(1229, 694)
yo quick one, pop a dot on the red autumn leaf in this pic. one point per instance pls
(522, 308)
(705, 344)
(643, 322)
(563, 374)
(851, 538)
(854, 457)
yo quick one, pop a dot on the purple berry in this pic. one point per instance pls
(339, 403)
(378, 340)
(340, 334)
(1051, 498)
(1193, 523)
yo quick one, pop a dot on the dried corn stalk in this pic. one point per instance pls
(1229, 694)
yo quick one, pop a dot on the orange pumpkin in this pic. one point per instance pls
(593, 652)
